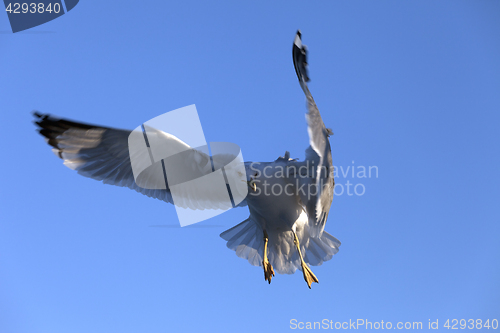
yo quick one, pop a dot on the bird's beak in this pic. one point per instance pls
(252, 185)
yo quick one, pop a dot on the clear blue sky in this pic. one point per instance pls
(412, 87)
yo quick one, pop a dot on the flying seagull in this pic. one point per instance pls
(288, 200)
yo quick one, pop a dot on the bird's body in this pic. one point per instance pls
(277, 207)
(270, 200)
(288, 200)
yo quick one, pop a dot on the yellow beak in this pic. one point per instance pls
(252, 185)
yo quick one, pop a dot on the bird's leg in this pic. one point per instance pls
(268, 269)
(308, 274)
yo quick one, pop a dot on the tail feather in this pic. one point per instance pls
(321, 249)
(282, 253)
(246, 239)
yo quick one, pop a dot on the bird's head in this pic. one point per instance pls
(253, 171)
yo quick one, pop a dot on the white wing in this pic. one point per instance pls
(319, 153)
(102, 153)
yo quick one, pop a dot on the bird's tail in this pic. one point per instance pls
(284, 257)
(321, 249)
(247, 240)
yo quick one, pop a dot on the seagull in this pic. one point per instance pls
(288, 200)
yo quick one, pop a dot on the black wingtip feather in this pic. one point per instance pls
(299, 54)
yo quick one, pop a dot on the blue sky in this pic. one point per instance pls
(411, 87)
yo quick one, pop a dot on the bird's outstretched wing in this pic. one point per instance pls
(102, 153)
(318, 153)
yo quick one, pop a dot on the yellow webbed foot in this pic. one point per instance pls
(308, 275)
(268, 270)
